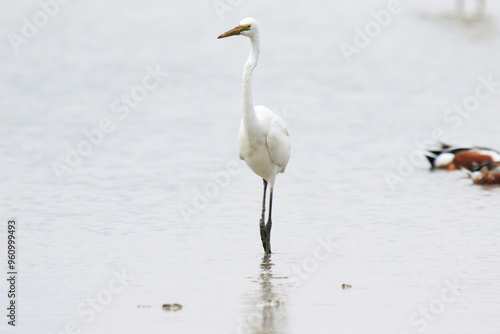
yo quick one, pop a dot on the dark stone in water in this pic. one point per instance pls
(171, 307)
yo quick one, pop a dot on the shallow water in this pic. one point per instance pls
(132, 208)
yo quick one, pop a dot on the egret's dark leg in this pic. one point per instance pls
(263, 231)
(269, 223)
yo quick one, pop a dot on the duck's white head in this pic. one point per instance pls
(479, 174)
(247, 27)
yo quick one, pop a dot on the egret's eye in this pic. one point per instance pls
(247, 26)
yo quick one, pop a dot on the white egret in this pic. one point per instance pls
(263, 140)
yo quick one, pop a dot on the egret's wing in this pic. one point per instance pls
(278, 142)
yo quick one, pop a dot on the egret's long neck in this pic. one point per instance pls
(248, 109)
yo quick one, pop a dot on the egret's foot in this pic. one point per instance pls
(268, 229)
(265, 236)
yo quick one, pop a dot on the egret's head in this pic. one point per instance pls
(247, 27)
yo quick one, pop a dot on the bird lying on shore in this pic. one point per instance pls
(488, 173)
(450, 157)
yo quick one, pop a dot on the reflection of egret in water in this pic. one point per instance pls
(267, 306)
(475, 24)
(481, 7)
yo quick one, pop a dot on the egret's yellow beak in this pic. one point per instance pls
(234, 31)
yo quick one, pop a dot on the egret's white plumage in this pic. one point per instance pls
(263, 140)
(264, 143)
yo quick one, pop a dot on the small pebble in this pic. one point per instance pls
(171, 307)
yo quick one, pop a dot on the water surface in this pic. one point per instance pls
(128, 207)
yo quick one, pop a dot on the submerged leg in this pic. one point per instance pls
(263, 232)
